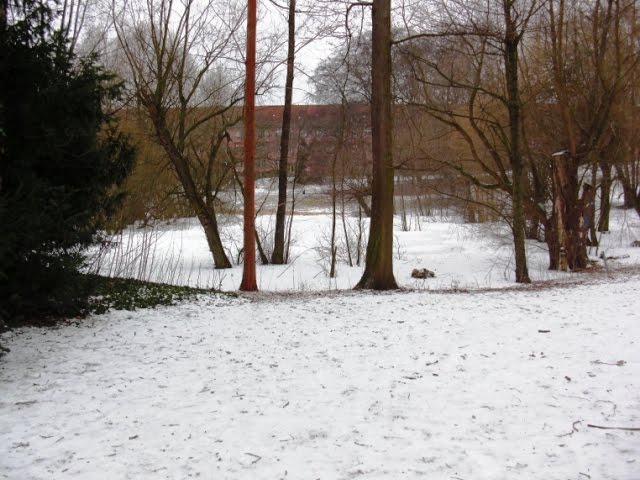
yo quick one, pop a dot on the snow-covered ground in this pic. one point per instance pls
(478, 385)
(457, 378)
(463, 256)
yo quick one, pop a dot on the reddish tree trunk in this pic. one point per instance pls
(249, 268)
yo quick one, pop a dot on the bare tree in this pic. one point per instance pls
(72, 19)
(625, 127)
(174, 53)
(588, 76)
(468, 71)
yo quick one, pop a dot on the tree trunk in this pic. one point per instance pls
(333, 249)
(343, 208)
(206, 213)
(605, 199)
(278, 256)
(512, 39)
(210, 227)
(550, 237)
(3, 15)
(567, 215)
(378, 272)
(631, 197)
(362, 203)
(249, 266)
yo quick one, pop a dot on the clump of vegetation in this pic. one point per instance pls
(130, 294)
(62, 159)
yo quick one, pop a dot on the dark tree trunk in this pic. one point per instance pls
(512, 40)
(362, 203)
(631, 194)
(210, 227)
(550, 237)
(533, 229)
(4, 4)
(278, 256)
(605, 192)
(249, 266)
(567, 215)
(378, 272)
(333, 249)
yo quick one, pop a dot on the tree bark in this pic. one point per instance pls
(566, 216)
(378, 272)
(605, 192)
(278, 256)
(249, 266)
(511, 43)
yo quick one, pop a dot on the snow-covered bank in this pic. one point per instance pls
(499, 385)
(475, 256)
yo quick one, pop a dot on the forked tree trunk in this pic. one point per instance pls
(205, 212)
(278, 256)
(248, 283)
(378, 272)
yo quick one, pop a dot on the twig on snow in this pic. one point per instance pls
(362, 444)
(573, 429)
(619, 363)
(257, 457)
(628, 429)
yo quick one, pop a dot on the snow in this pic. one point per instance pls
(336, 386)
(463, 256)
(457, 377)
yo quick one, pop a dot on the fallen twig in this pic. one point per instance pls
(628, 429)
(257, 457)
(573, 429)
(619, 363)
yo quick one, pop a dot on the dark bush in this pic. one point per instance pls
(61, 159)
